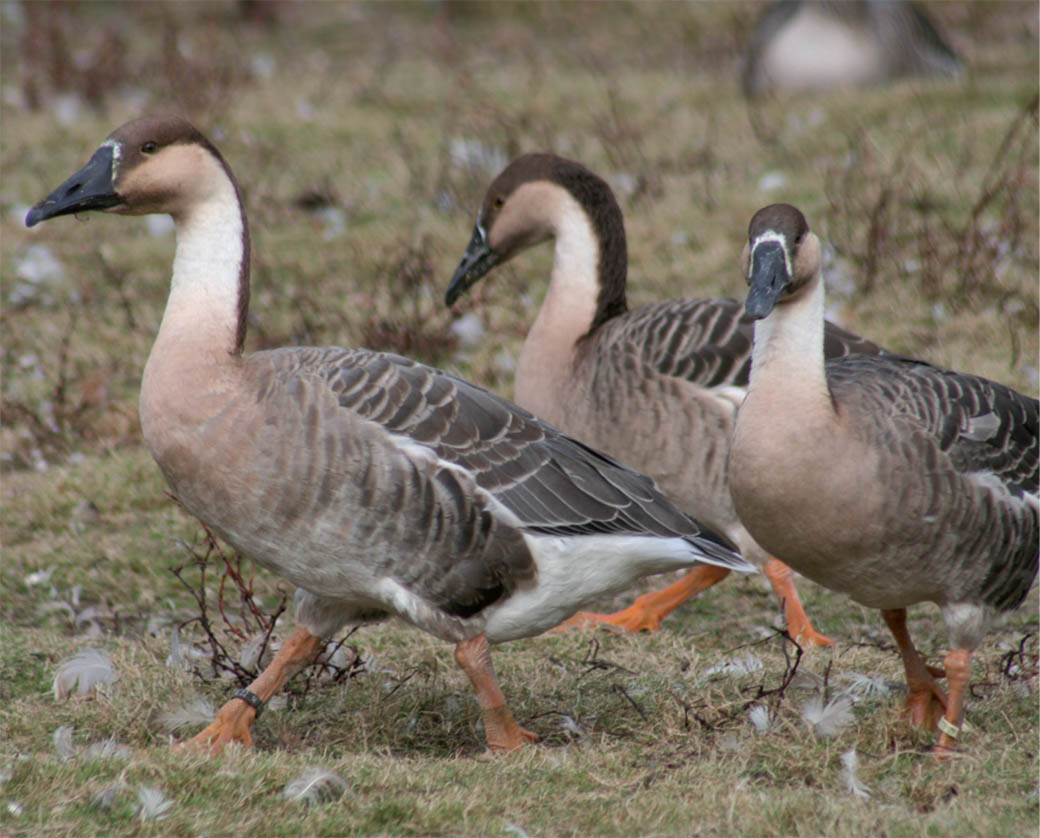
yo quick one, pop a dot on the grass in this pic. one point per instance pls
(364, 137)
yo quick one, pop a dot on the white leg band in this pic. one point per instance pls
(948, 728)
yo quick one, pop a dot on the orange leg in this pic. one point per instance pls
(236, 717)
(646, 613)
(925, 701)
(958, 672)
(500, 728)
(797, 621)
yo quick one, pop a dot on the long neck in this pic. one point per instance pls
(190, 369)
(571, 302)
(209, 292)
(788, 350)
(608, 225)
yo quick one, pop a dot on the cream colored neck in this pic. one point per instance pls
(189, 376)
(569, 307)
(202, 309)
(788, 349)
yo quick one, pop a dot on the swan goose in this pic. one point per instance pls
(884, 478)
(377, 485)
(657, 386)
(806, 45)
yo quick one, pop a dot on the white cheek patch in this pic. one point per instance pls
(117, 153)
(771, 236)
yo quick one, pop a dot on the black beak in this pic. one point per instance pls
(89, 189)
(768, 280)
(478, 259)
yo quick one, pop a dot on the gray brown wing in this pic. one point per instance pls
(345, 487)
(459, 555)
(552, 483)
(707, 341)
(970, 432)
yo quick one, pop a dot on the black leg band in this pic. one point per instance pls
(252, 699)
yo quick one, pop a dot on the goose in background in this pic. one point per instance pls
(657, 386)
(810, 45)
(884, 478)
(379, 486)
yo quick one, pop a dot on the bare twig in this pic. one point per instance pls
(688, 710)
(1023, 662)
(593, 662)
(790, 668)
(404, 679)
(618, 688)
(252, 619)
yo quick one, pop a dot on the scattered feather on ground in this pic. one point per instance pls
(571, 727)
(736, 666)
(859, 686)
(827, 719)
(104, 799)
(40, 577)
(178, 657)
(83, 672)
(56, 605)
(761, 718)
(249, 657)
(197, 711)
(152, 803)
(850, 774)
(339, 655)
(804, 679)
(63, 743)
(109, 748)
(316, 785)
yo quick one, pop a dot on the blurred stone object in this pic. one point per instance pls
(810, 45)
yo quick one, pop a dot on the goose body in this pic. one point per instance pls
(379, 486)
(885, 478)
(657, 386)
(811, 45)
(465, 498)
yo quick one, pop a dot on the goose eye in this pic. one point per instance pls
(149, 147)
(499, 201)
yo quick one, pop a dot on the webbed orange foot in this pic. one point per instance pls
(234, 719)
(502, 731)
(647, 612)
(808, 637)
(798, 624)
(633, 618)
(500, 727)
(926, 704)
(232, 724)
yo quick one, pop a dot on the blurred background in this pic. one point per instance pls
(364, 135)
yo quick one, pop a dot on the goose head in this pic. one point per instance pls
(542, 196)
(512, 217)
(155, 164)
(781, 257)
(163, 164)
